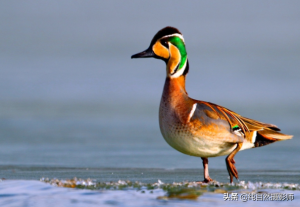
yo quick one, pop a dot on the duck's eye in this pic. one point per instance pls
(164, 43)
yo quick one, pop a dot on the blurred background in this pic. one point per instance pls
(70, 96)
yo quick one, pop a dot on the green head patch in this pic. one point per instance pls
(178, 42)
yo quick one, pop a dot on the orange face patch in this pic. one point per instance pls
(160, 50)
(174, 59)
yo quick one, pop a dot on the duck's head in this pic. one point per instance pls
(168, 45)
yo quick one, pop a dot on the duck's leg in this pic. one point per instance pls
(230, 163)
(207, 179)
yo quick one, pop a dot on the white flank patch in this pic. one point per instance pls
(247, 144)
(192, 111)
(254, 137)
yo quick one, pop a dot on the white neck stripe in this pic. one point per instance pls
(179, 72)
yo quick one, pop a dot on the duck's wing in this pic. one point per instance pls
(211, 122)
(236, 127)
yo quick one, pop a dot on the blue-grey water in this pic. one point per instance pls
(73, 103)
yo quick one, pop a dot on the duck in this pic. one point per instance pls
(199, 128)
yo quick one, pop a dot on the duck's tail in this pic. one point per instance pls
(261, 134)
(268, 136)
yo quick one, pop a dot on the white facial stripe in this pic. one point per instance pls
(172, 35)
(192, 111)
(179, 72)
(175, 58)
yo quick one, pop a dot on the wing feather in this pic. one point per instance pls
(247, 125)
(232, 117)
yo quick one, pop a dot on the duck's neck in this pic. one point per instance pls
(174, 88)
(175, 101)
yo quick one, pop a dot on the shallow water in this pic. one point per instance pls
(36, 193)
(139, 187)
(145, 175)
